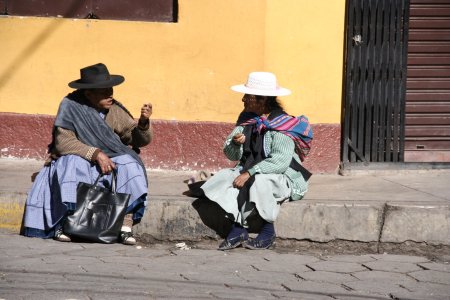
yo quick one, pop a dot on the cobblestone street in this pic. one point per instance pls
(46, 269)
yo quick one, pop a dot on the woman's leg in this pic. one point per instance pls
(126, 235)
(131, 180)
(219, 188)
(268, 192)
(53, 194)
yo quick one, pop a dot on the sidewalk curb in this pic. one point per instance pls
(173, 218)
(11, 210)
(419, 223)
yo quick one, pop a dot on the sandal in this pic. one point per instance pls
(61, 237)
(126, 236)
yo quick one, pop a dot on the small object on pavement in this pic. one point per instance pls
(182, 246)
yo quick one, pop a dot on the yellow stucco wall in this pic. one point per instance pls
(185, 69)
(304, 47)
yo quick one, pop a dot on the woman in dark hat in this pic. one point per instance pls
(93, 133)
(269, 145)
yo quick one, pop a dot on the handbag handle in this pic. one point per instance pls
(113, 180)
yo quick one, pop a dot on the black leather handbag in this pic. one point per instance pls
(99, 214)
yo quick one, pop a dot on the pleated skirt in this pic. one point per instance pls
(267, 193)
(53, 192)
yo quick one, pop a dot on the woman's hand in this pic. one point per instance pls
(105, 163)
(241, 180)
(239, 139)
(146, 112)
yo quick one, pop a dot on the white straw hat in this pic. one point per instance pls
(261, 84)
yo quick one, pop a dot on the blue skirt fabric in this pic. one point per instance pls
(53, 193)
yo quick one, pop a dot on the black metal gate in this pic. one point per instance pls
(375, 80)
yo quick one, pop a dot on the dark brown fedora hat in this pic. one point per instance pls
(96, 76)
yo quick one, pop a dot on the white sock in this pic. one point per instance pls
(125, 229)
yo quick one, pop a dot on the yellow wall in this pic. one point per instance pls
(185, 69)
(304, 47)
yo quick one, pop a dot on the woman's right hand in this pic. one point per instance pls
(105, 163)
(240, 181)
(239, 139)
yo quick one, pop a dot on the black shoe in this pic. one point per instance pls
(256, 244)
(232, 243)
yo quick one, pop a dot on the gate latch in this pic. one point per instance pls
(357, 39)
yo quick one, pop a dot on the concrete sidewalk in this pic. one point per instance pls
(393, 207)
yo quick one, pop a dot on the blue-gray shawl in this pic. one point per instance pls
(76, 114)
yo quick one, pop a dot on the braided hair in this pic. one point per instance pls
(272, 102)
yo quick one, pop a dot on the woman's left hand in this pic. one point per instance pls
(241, 180)
(146, 111)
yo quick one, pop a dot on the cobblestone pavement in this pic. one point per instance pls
(46, 269)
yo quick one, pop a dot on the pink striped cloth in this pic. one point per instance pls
(297, 128)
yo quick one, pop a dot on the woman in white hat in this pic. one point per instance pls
(269, 145)
(93, 133)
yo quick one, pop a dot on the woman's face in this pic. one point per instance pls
(100, 99)
(254, 104)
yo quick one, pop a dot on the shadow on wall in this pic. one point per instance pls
(22, 57)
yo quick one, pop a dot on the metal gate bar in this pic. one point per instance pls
(375, 78)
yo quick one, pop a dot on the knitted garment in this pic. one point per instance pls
(279, 151)
(124, 126)
(75, 114)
